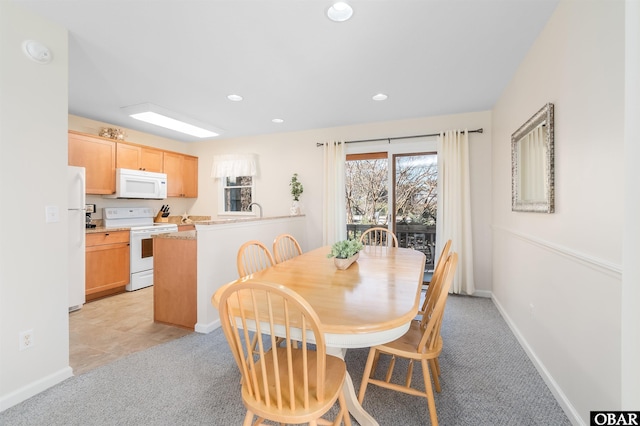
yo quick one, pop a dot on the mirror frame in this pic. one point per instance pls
(544, 115)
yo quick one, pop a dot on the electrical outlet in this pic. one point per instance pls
(26, 339)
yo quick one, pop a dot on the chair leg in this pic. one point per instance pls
(392, 364)
(375, 363)
(431, 402)
(248, 419)
(367, 373)
(407, 382)
(343, 404)
(437, 364)
(254, 342)
(436, 379)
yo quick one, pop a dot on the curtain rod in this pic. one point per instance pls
(480, 130)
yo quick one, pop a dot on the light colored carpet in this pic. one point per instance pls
(486, 379)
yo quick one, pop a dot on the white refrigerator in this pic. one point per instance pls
(76, 210)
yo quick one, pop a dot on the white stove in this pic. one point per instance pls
(140, 220)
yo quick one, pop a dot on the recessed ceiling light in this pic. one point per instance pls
(235, 98)
(162, 117)
(380, 97)
(278, 120)
(340, 12)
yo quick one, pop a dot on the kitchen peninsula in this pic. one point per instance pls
(189, 266)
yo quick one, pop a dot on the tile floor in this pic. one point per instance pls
(113, 327)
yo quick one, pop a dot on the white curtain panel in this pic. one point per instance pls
(234, 165)
(532, 160)
(454, 205)
(334, 217)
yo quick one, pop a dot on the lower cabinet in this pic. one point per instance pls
(107, 263)
(175, 281)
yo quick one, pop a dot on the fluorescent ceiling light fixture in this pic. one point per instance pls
(162, 117)
(278, 120)
(340, 12)
(235, 98)
(380, 97)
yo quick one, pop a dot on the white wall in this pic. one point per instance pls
(557, 277)
(33, 171)
(281, 155)
(631, 239)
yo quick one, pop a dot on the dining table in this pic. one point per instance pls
(371, 302)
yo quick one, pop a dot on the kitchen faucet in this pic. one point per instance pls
(255, 204)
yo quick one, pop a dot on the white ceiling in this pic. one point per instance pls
(431, 57)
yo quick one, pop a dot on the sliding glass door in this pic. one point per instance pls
(395, 191)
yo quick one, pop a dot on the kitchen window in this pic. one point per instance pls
(236, 173)
(237, 194)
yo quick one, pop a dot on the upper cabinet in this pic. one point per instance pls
(182, 175)
(98, 156)
(137, 157)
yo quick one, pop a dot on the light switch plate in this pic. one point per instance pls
(52, 214)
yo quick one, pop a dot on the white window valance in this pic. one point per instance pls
(234, 165)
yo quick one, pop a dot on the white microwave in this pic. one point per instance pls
(140, 184)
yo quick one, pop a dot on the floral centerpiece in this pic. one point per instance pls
(345, 252)
(296, 190)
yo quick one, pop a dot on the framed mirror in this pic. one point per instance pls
(532, 188)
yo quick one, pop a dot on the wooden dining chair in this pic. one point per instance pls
(281, 383)
(437, 272)
(253, 256)
(422, 342)
(378, 236)
(285, 247)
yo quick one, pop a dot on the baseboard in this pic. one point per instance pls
(34, 388)
(563, 401)
(207, 328)
(483, 293)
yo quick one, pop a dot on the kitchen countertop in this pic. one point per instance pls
(223, 220)
(99, 229)
(180, 235)
(191, 235)
(171, 219)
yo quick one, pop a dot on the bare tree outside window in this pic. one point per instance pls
(416, 194)
(237, 193)
(410, 212)
(367, 191)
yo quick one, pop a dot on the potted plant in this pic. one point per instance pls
(296, 191)
(345, 252)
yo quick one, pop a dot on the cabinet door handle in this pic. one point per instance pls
(106, 235)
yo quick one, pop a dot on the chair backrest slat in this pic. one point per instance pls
(437, 274)
(432, 317)
(276, 374)
(253, 256)
(285, 247)
(379, 236)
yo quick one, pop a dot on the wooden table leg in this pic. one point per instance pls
(355, 409)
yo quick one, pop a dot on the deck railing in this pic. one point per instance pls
(416, 236)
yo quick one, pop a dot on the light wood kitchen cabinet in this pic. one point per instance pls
(182, 175)
(98, 156)
(189, 227)
(137, 157)
(106, 261)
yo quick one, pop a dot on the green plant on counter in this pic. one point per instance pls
(345, 249)
(296, 187)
